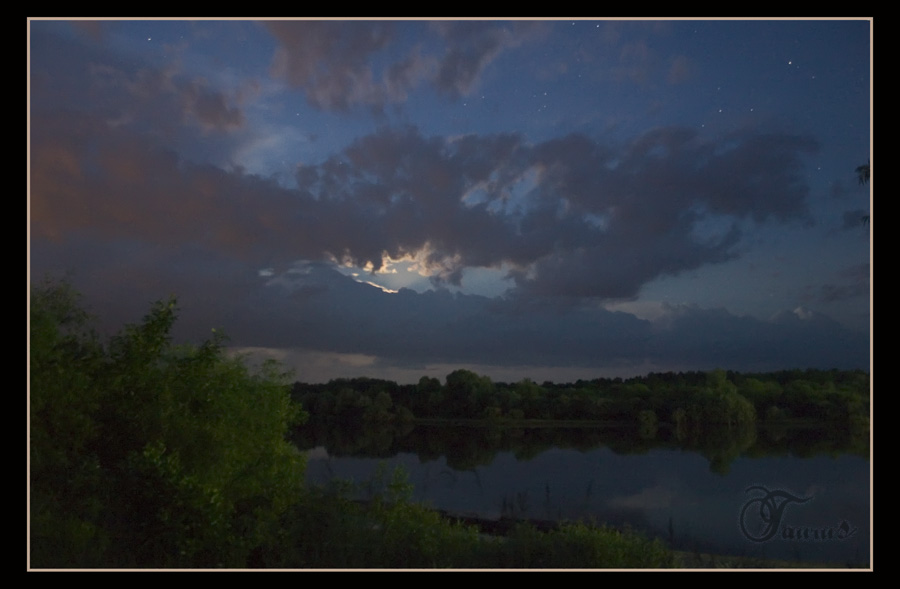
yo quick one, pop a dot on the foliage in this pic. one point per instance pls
(468, 392)
(330, 529)
(147, 454)
(718, 414)
(581, 546)
(692, 402)
(647, 423)
(864, 173)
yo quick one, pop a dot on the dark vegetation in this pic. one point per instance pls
(144, 454)
(468, 420)
(148, 454)
(864, 173)
(687, 403)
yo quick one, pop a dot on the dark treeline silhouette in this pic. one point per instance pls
(720, 415)
(685, 400)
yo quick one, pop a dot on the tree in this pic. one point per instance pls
(864, 172)
(468, 393)
(147, 454)
(64, 360)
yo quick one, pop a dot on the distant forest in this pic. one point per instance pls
(685, 400)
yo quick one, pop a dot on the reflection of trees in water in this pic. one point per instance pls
(547, 503)
(515, 505)
(588, 492)
(448, 478)
(722, 445)
(478, 481)
(467, 448)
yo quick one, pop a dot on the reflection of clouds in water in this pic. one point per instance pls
(450, 477)
(668, 494)
(317, 453)
(657, 497)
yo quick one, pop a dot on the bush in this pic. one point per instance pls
(147, 454)
(580, 546)
(330, 528)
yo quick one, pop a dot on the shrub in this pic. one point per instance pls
(147, 454)
(580, 546)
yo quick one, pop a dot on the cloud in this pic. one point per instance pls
(656, 497)
(94, 29)
(714, 338)
(323, 322)
(680, 70)
(573, 216)
(133, 190)
(471, 47)
(855, 282)
(163, 104)
(329, 59)
(210, 107)
(855, 219)
(334, 62)
(570, 216)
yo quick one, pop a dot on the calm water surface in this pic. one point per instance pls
(668, 493)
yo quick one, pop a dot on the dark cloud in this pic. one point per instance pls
(311, 306)
(854, 282)
(855, 219)
(117, 185)
(333, 62)
(471, 47)
(590, 220)
(211, 108)
(569, 216)
(329, 59)
(92, 28)
(163, 104)
(710, 338)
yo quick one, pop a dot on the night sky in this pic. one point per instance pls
(545, 199)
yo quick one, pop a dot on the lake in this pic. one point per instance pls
(810, 508)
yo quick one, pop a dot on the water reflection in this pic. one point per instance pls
(691, 497)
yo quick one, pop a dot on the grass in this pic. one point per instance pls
(329, 529)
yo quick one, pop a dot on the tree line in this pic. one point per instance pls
(686, 399)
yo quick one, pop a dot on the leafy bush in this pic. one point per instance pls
(147, 454)
(331, 528)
